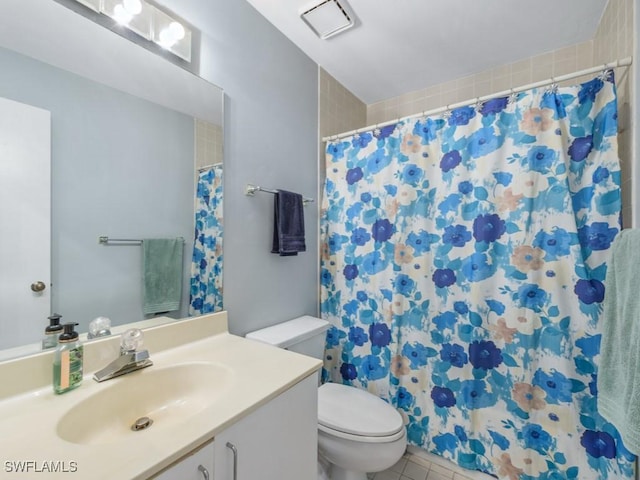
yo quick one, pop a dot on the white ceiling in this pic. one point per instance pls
(399, 46)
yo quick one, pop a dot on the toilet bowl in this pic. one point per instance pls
(357, 432)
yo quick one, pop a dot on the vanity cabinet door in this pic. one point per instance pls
(277, 441)
(198, 465)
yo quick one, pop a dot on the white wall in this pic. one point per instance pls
(270, 139)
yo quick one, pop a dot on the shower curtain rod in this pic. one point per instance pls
(625, 62)
(213, 165)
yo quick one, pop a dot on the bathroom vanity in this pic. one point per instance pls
(223, 407)
(271, 442)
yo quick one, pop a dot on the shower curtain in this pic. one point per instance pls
(462, 268)
(205, 294)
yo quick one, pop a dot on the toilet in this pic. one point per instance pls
(357, 431)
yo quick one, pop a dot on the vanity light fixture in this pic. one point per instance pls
(171, 35)
(148, 21)
(136, 15)
(124, 12)
(92, 4)
(132, 7)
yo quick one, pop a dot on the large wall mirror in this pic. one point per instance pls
(129, 135)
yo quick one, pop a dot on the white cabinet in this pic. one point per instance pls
(198, 465)
(276, 442)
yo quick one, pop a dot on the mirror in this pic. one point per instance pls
(128, 132)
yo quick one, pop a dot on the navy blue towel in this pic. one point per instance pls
(288, 224)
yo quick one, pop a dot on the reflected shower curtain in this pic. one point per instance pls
(205, 294)
(463, 260)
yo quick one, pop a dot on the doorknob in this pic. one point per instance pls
(38, 286)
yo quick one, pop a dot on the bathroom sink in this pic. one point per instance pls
(168, 396)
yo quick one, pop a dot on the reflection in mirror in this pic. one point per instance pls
(132, 142)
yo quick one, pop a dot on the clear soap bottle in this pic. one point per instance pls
(51, 333)
(68, 361)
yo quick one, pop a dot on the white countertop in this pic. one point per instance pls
(28, 421)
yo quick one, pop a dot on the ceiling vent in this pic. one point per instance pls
(327, 18)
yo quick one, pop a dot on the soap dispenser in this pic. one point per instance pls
(67, 364)
(52, 332)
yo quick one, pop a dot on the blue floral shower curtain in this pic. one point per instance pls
(205, 295)
(462, 270)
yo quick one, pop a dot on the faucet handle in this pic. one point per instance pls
(131, 340)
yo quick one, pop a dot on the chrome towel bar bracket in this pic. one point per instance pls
(250, 190)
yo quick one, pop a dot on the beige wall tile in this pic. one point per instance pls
(584, 55)
(498, 84)
(208, 143)
(434, 101)
(521, 66)
(466, 93)
(564, 66)
(339, 109)
(501, 71)
(467, 81)
(482, 76)
(482, 88)
(565, 53)
(614, 40)
(520, 78)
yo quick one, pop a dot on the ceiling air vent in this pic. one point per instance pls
(327, 18)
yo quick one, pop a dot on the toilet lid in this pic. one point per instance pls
(351, 410)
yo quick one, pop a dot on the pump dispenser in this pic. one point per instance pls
(68, 361)
(51, 333)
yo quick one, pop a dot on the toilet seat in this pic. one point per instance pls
(361, 438)
(354, 414)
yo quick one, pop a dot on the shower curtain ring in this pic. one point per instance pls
(605, 74)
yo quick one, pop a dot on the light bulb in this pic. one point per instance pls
(177, 30)
(170, 35)
(165, 38)
(120, 15)
(132, 7)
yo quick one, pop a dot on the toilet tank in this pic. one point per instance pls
(305, 335)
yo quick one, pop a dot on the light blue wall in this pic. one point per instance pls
(122, 167)
(271, 139)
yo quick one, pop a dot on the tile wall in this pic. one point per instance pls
(340, 110)
(208, 143)
(614, 40)
(532, 69)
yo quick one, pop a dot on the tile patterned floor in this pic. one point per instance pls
(412, 467)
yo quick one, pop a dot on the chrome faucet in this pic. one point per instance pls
(131, 358)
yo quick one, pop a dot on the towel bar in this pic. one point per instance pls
(105, 240)
(251, 190)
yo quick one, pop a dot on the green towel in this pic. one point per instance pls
(161, 274)
(619, 372)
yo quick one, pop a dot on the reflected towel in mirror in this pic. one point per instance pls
(161, 274)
